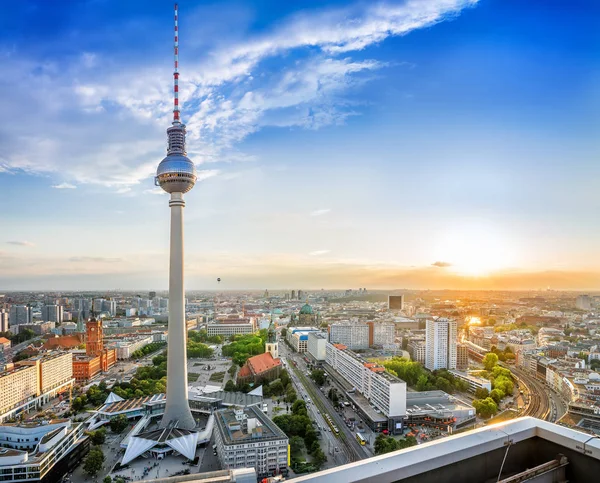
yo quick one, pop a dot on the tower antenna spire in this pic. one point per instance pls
(176, 118)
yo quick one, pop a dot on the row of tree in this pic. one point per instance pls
(298, 427)
(387, 444)
(416, 376)
(202, 336)
(147, 349)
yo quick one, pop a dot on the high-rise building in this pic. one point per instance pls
(3, 321)
(109, 306)
(176, 174)
(583, 302)
(151, 295)
(440, 344)
(293, 297)
(317, 344)
(352, 335)
(52, 313)
(381, 334)
(83, 307)
(20, 314)
(395, 302)
(300, 294)
(462, 357)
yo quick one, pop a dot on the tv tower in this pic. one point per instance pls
(176, 174)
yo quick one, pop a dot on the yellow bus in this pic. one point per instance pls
(361, 439)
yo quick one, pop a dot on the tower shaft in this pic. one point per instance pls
(177, 407)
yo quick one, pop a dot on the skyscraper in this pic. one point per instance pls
(440, 344)
(52, 313)
(3, 321)
(20, 314)
(176, 174)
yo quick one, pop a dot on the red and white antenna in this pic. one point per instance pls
(176, 118)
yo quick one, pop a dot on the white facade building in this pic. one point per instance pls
(385, 392)
(127, 347)
(3, 321)
(317, 345)
(246, 438)
(352, 335)
(440, 344)
(226, 329)
(383, 334)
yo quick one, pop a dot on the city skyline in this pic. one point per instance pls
(424, 144)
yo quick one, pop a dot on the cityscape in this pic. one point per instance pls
(356, 346)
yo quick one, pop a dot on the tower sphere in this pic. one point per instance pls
(176, 174)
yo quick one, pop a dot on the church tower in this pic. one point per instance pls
(272, 347)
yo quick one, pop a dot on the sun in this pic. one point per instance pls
(475, 252)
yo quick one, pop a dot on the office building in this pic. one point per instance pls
(384, 392)
(247, 438)
(83, 307)
(38, 328)
(126, 347)
(437, 409)
(20, 314)
(297, 337)
(417, 350)
(395, 302)
(353, 335)
(583, 302)
(34, 382)
(440, 342)
(3, 321)
(52, 313)
(227, 327)
(473, 381)
(110, 306)
(317, 345)
(54, 448)
(381, 334)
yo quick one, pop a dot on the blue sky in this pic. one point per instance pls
(340, 143)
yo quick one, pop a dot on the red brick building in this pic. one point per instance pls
(261, 368)
(97, 358)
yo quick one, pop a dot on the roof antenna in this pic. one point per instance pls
(176, 118)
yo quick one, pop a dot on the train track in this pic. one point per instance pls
(539, 403)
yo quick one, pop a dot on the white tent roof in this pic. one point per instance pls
(185, 445)
(257, 392)
(135, 448)
(112, 397)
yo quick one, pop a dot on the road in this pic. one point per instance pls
(347, 440)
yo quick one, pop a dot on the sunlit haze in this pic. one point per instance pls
(397, 144)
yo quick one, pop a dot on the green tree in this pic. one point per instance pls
(283, 332)
(485, 407)
(277, 388)
(78, 403)
(93, 461)
(107, 479)
(98, 437)
(489, 361)
(296, 445)
(497, 395)
(299, 407)
(318, 375)
(481, 393)
(230, 386)
(118, 423)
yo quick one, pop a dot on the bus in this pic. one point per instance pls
(361, 439)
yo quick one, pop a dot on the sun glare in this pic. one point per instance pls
(475, 253)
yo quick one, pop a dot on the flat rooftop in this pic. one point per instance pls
(225, 418)
(227, 398)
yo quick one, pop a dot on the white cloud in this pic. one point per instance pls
(104, 126)
(64, 186)
(21, 243)
(320, 212)
(318, 253)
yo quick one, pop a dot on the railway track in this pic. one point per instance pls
(539, 403)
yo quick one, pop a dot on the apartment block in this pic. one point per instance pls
(317, 345)
(440, 342)
(352, 335)
(384, 392)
